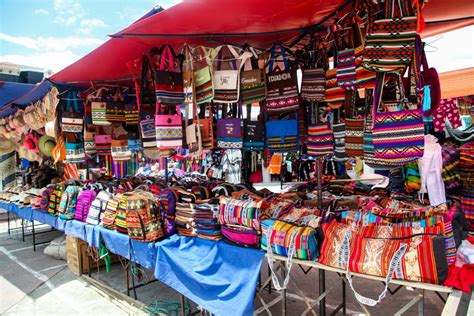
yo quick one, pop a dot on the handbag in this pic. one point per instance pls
(147, 106)
(98, 107)
(391, 40)
(335, 95)
(89, 140)
(168, 128)
(252, 81)
(193, 132)
(102, 142)
(207, 128)
(254, 132)
(227, 82)
(346, 64)
(280, 235)
(119, 146)
(230, 130)
(320, 136)
(398, 137)
(115, 108)
(188, 75)
(281, 135)
(313, 83)
(72, 118)
(282, 85)
(168, 79)
(203, 81)
(240, 212)
(74, 149)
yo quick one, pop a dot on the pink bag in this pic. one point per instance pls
(83, 204)
(169, 129)
(240, 235)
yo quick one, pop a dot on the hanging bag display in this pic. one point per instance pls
(193, 132)
(252, 81)
(281, 135)
(72, 118)
(119, 145)
(320, 136)
(75, 149)
(226, 82)
(168, 78)
(313, 85)
(254, 131)
(391, 40)
(203, 82)
(346, 64)
(115, 108)
(398, 137)
(102, 142)
(282, 85)
(147, 106)
(230, 130)
(168, 127)
(98, 107)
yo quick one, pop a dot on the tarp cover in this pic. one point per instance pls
(216, 275)
(9, 91)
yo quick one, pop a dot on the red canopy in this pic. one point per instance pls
(212, 22)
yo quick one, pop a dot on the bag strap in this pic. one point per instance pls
(394, 264)
(232, 61)
(188, 58)
(403, 7)
(272, 56)
(168, 57)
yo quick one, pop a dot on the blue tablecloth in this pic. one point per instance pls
(216, 275)
(44, 218)
(76, 229)
(116, 242)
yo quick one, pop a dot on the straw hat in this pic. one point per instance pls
(6, 146)
(30, 142)
(46, 145)
(29, 154)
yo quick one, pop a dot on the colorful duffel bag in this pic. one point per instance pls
(143, 217)
(240, 212)
(55, 199)
(83, 205)
(241, 236)
(98, 206)
(285, 235)
(110, 212)
(67, 205)
(282, 86)
(168, 81)
(399, 136)
(390, 40)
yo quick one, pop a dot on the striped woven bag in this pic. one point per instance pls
(399, 136)
(390, 41)
(335, 95)
(320, 137)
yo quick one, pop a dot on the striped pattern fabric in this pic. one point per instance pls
(115, 112)
(108, 218)
(281, 135)
(399, 137)
(121, 217)
(320, 140)
(252, 86)
(165, 94)
(71, 123)
(131, 114)
(313, 84)
(346, 71)
(98, 206)
(466, 166)
(282, 144)
(7, 170)
(204, 88)
(354, 137)
(67, 204)
(339, 131)
(305, 242)
(240, 212)
(282, 91)
(335, 95)
(143, 217)
(169, 136)
(98, 113)
(390, 41)
(364, 78)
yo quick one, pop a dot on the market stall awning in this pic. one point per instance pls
(9, 91)
(213, 22)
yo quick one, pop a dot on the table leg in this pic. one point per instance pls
(133, 286)
(183, 305)
(322, 289)
(127, 279)
(8, 220)
(34, 235)
(22, 230)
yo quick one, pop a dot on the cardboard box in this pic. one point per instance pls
(77, 255)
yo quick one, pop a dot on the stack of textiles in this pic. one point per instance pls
(205, 218)
(466, 166)
(185, 223)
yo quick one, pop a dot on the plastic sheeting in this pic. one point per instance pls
(10, 91)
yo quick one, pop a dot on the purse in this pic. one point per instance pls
(89, 140)
(282, 85)
(281, 135)
(119, 146)
(346, 64)
(335, 95)
(115, 108)
(102, 142)
(207, 129)
(168, 79)
(320, 136)
(75, 153)
(230, 130)
(226, 82)
(168, 128)
(398, 137)
(203, 82)
(147, 106)
(252, 81)
(240, 212)
(313, 83)
(98, 107)
(390, 40)
(254, 132)
(72, 118)
(193, 132)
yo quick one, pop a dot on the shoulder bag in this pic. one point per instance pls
(72, 117)
(115, 108)
(320, 135)
(169, 128)
(229, 130)
(252, 81)
(203, 81)
(254, 131)
(168, 79)
(226, 82)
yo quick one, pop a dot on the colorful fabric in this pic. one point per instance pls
(354, 137)
(447, 110)
(335, 95)
(313, 84)
(339, 131)
(240, 212)
(320, 140)
(346, 69)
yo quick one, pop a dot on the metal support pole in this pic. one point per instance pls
(166, 171)
(183, 305)
(133, 286)
(322, 289)
(343, 297)
(34, 235)
(8, 220)
(22, 231)
(127, 279)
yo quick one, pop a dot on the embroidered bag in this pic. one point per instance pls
(390, 40)
(98, 107)
(67, 205)
(398, 137)
(102, 142)
(254, 132)
(119, 146)
(281, 135)
(169, 128)
(207, 128)
(143, 217)
(320, 136)
(147, 106)
(335, 95)
(115, 108)
(193, 132)
(313, 85)
(132, 116)
(230, 130)
(346, 64)
(168, 78)
(339, 131)
(252, 81)
(84, 202)
(203, 82)
(110, 212)
(282, 85)
(89, 140)
(94, 217)
(72, 118)
(226, 82)
(74, 149)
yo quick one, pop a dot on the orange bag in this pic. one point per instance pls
(274, 167)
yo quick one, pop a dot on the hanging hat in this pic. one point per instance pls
(29, 154)
(6, 146)
(46, 145)
(30, 142)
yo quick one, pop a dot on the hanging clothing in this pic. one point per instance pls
(430, 167)
(231, 165)
(447, 110)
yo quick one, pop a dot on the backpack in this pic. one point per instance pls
(83, 204)
(97, 208)
(121, 213)
(44, 202)
(55, 199)
(108, 219)
(167, 199)
(67, 205)
(143, 217)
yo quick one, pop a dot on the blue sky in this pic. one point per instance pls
(54, 33)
